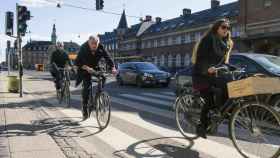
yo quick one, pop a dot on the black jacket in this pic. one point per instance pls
(211, 52)
(60, 58)
(85, 57)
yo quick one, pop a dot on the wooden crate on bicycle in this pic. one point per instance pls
(253, 86)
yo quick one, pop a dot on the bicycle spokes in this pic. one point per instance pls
(256, 131)
(103, 110)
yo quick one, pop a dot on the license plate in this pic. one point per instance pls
(162, 81)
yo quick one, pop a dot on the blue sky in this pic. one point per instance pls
(72, 22)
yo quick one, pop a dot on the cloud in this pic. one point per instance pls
(40, 3)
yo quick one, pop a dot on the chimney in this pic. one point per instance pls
(215, 4)
(148, 18)
(158, 20)
(187, 11)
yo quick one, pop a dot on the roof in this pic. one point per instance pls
(37, 43)
(132, 31)
(196, 19)
(71, 45)
(123, 22)
(108, 37)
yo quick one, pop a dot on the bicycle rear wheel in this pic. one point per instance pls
(255, 130)
(67, 95)
(59, 95)
(187, 112)
(103, 109)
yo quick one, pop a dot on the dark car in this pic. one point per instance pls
(141, 74)
(4, 68)
(252, 62)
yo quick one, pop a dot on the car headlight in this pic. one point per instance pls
(147, 75)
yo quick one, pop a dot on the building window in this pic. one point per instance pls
(178, 40)
(158, 42)
(166, 41)
(162, 42)
(187, 60)
(188, 38)
(174, 40)
(169, 41)
(197, 36)
(145, 44)
(267, 3)
(178, 60)
(192, 37)
(183, 39)
(170, 60)
(162, 60)
(149, 44)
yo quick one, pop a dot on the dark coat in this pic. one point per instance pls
(59, 57)
(211, 52)
(85, 57)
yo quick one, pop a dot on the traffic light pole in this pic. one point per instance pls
(20, 67)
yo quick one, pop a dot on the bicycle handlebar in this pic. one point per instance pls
(229, 69)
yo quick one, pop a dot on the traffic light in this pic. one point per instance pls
(9, 27)
(8, 44)
(99, 4)
(23, 15)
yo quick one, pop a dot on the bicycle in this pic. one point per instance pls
(246, 116)
(101, 102)
(63, 94)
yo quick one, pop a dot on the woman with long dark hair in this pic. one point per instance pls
(213, 49)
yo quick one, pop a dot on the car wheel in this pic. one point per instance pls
(139, 83)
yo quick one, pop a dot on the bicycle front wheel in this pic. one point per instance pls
(187, 115)
(67, 96)
(255, 130)
(103, 109)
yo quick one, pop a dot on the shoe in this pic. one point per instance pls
(201, 131)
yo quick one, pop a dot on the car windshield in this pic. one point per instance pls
(271, 63)
(146, 66)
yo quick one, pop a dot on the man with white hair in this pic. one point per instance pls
(90, 54)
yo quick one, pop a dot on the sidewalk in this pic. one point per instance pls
(20, 137)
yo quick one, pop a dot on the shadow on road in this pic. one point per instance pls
(160, 144)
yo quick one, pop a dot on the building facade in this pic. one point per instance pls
(260, 22)
(169, 43)
(39, 52)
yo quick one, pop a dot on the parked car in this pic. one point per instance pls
(141, 74)
(268, 65)
(4, 68)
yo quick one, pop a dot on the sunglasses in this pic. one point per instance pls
(224, 27)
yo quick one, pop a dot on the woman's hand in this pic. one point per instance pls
(212, 70)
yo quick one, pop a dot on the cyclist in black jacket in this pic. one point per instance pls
(91, 52)
(59, 59)
(213, 49)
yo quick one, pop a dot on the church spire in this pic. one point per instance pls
(54, 37)
(123, 21)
